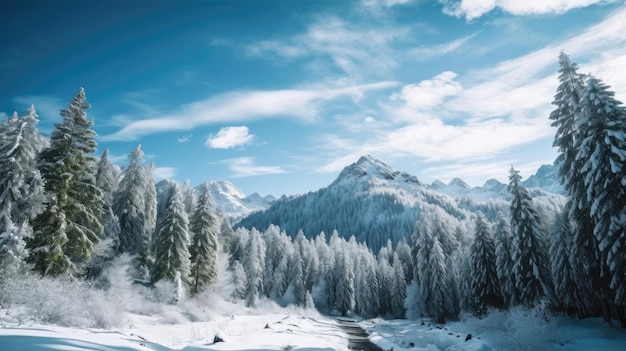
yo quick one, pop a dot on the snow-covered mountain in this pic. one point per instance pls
(374, 203)
(539, 184)
(233, 203)
(229, 200)
(546, 179)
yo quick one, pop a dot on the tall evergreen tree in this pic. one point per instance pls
(13, 251)
(21, 186)
(591, 287)
(254, 265)
(107, 178)
(504, 259)
(485, 287)
(67, 167)
(601, 150)
(345, 294)
(564, 117)
(171, 253)
(561, 264)
(530, 260)
(398, 288)
(203, 250)
(368, 287)
(129, 205)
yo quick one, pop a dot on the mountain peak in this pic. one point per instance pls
(369, 167)
(458, 183)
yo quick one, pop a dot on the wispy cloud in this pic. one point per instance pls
(246, 167)
(473, 9)
(350, 47)
(184, 138)
(425, 53)
(244, 106)
(482, 116)
(229, 137)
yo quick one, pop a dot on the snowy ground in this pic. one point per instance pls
(500, 331)
(515, 330)
(283, 332)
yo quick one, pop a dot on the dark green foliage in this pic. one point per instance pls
(67, 169)
(171, 253)
(204, 229)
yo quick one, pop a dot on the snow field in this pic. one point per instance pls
(517, 329)
(261, 332)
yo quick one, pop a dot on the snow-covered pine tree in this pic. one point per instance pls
(561, 265)
(433, 278)
(13, 251)
(296, 278)
(398, 288)
(254, 265)
(238, 280)
(464, 279)
(345, 278)
(591, 287)
(67, 167)
(188, 197)
(453, 297)
(150, 212)
(129, 205)
(226, 234)
(279, 251)
(601, 150)
(504, 258)
(484, 284)
(203, 249)
(21, 186)
(46, 245)
(107, 178)
(385, 282)
(367, 296)
(564, 117)
(530, 255)
(404, 255)
(430, 272)
(171, 253)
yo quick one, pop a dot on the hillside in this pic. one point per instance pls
(374, 202)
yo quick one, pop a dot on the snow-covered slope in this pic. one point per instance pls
(233, 203)
(374, 203)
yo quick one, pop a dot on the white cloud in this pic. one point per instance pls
(229, 137)
(164, 173)
(246, 167)
(429, 93)
(424, 53)
(244, 106)
(473, 9)
(495, 111)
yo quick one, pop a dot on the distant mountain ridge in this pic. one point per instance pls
(233, 203)
(374, 202)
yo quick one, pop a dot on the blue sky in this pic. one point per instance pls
(279, 96)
